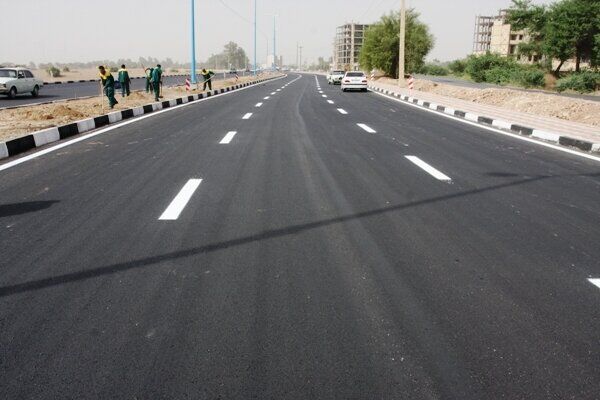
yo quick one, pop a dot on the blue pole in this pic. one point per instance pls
(193, 66)
(255, 65)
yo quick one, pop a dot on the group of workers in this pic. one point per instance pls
(153, 82)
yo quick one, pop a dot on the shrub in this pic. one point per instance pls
(498, 75)
(53, 71)
(174, 70)
(529, 77)
(477, 67)
(583, 82)
(434, 69)
(66, 69)
(458, 67)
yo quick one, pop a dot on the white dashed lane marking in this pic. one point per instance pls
(428, 168)
(595, 282)
(247, 116)
(342, 111)
(228, 138)
(366, 128)
(259, 104)
(330, 101)
(180, 201)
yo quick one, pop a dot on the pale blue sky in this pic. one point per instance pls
(84, 30)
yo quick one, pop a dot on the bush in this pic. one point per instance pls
(174, 70)
(458, 67)
(66, 69)
(498, 75)
(478, 66)
(583, 82)
(529, 77)
(434, 69)
(53, 71)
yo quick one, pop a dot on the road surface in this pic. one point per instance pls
(279, 242)
(53, 92)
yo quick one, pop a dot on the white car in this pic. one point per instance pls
(354, 80)
(14, 81)
(335, 77)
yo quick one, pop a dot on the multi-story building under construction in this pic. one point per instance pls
(494, 34)
(348, 42)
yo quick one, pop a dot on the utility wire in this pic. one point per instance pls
(246, 20)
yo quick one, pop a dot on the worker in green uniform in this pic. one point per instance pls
(148, 72)
(156, 81)
(125, 81)
(207, 75)
(108, 83)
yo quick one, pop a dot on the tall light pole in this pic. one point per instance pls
(274, 42)
(402, 43)
(300, 56)
(193, 31)
(255, 16)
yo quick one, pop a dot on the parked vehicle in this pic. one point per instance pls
(335, 77)
(354, 80)
(15, 81)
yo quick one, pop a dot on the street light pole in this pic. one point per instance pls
(301, 57)
(193, 31)
(274, 43)
(401, 56)
(255, 16)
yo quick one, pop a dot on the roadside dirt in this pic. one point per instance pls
(565, 108)
(92, 73)
(17, 122)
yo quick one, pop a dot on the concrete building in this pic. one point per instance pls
(347, 44)
(493, 34)
(271, 62)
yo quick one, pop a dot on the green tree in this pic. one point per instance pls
(232, 55)
(566, 29)
(381, 44)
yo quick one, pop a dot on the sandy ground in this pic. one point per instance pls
(17, 122)
(569, 109)
(92, 73)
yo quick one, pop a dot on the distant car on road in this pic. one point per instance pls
(335, 77)
(233, 71)
(15, 81)
(354, 80)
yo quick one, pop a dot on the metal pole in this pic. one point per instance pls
(255, 15)
(297, 63)
(274, 44)
(401, 56)
(300, 57)
(193, 66)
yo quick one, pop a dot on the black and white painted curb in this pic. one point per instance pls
(41, 138)
(496, 123)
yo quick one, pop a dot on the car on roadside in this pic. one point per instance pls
(354, 80)
(335, 77)
(16, 81)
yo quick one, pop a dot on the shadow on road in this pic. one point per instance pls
(8, 210)
(265, 235)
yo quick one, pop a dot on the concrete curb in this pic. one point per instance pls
(512, 127)
(40, 138)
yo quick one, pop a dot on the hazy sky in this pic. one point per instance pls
(84, 30)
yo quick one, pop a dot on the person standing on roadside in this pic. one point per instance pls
(157, 81)
(148, 72)
(108, 83)
(125, 81)
(207, 75)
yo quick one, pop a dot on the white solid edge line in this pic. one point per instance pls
(259, 104)
(428, 168)
(595, 282)
(330, 101)
(342, 111)
(115, 126)
(487, 128)
(180, 201)
(228, 138)
(366, 128)
(247, 116)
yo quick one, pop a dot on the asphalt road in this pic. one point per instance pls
(313, 260)
(450, 80)
(53, 92)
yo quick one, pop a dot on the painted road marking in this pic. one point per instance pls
(320, 91)
(227, 139)
(428, 168)
(342, 111)
(247, 116)
(180, 201)
(279, 90)
(366, 128)
(266, 98)
(259, 104)
(273, 94)
(595, 282)
(324, 96)
(330, 101)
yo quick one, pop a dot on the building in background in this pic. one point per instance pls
(271, 62)
(347, 44)
(495, 35)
